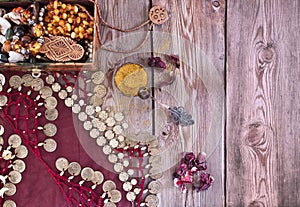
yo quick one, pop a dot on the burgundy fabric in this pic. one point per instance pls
(37, 187)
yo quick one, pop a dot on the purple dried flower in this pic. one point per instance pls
(157, 62)
(175, 60)
(200, 165)
(182, 169)
(189, 159)
(203, 182)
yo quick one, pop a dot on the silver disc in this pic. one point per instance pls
(98, 178)
(110, 204)
(2, 79)
(155, 187)
(45, 92)
(11, 189)
(74, 168)
(3, 100)
(118, 129)
(19, 165)
(87, 173)
(115, 196)
(50, 102)
(62, 164)
(62, 94)
(37, 84)
(50, 145)
(118, 167)
(69, 102)
(127, 186)
(1, 88)
(130, 196)
(108, 186)
(50, 79)
(51, 114)
(123, 176)
(56, 87)
(82, 116)
(98, 77)
(21, 151)
(96, 100)
(94, 133)
(101, 141)
(151, 200)
(14, 177)
(14, 140)
(109, 134)
(155, 173)
(112, 158)
(76, 108)
(100, 90)
(9, 203)
(89, 110)
(15, 81)
(119, 116)
(27, 79)
(87, 125)
(50, 130)
(107, 149)
(114, 143)
(110, 121)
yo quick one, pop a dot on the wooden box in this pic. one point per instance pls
(41, 65)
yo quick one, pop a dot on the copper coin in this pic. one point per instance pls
(62, 164)
(158, 15)
(14, 140)
(27, 79)
(130, 196)
(11, 189)
(9, 203)
(69, 102)
(101, 141)
(2, 79)
(45, 92)
(3, 100)
(151, 200)
(51, 114)
(56, 87)
(50, 102)
(15, 81)
(98, 77)
(155, 187)
(74, 168)
(123, 176)
(14, 177)
(50, 79)
(50, 130)
(62, 94)
(98, 177)
(108, 186)
(21, 151)
(100, 90)
(50, 145)
(87, 173)
(19, 165)
(115, 196)
(37, 84)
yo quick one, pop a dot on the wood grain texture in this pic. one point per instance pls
(194, 31)
(263, 103)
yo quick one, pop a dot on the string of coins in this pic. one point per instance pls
(107, 127)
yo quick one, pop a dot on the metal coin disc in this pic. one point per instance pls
(103, 115)
(155, 173)
(14, 177)
(125, 125)
(115, 196)
(11, 189)
(82, 116)
(76, 108)
(98, 178)
(51, 114)
(118, 129)
(62, 164)
(108, 186)
(19, 165)
(94, 133)
(21, 151)
(110, 204)
(27, 79)
(96, 100)
(50, 145)
(15, 81)
(127, 186)
(112, 158)
(152, 200)
(119, 116)
(14, 140)
(130, 172)
(109, 134)
(50, 102)
(50, 129)
(87, 173)
(87, 125)
(158, 15)
(133, 181)
(2, 79)
(98, 77)
(50, 79)
(118, 167)
(56, 87)
(74, 168)
(69, 102)
(155, 187)
(45, 92)
(130, 196)
(3, 100)
(1, 141)
(123, 176)
(137, 191)
(101, 141)
(125, 163)
(89, 110)
(62, 94)
(1, 88)
(37, 84)
(100, 90)
(110, 121)
(114, 143)
(107, 149)
(9, 203)
(69, 89)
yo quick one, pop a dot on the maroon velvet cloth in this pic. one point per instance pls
(37, 187)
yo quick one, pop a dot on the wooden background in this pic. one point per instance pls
(254, 49)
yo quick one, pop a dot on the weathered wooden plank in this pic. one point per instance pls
(194, 31)
(263, 103)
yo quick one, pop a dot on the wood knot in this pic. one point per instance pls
(267, 54)
(256, 204)
(216, 4)
(256, 133)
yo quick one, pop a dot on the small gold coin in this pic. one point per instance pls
(130, 77)
(11, 189)
(50, 130)
(74, 168)
(51, 114)
(62, 164)
(115, 196)
(14, 140)
(98, 178)
(37, 84)
(108, 186)
(21, 151)
(98, 77)
(14, 177)
(154, 187)
(87, 173)
(45, 92)
(27, 79)
(9, 203)
(96, 100)
(15, 81)
(19, 165)
(50, 102)
(50, 145)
